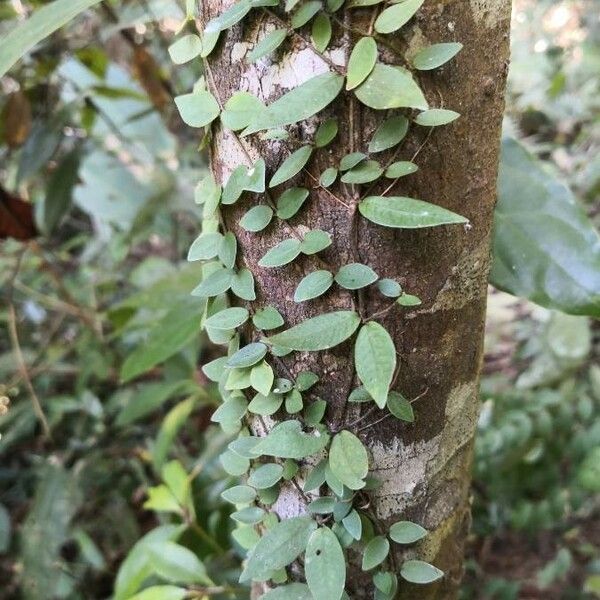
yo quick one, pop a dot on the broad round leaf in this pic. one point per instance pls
(365, 172)
(291, 591)
(405, 532)
(265, 476)
(247, 356)
(400, 169)
(375, 359)
(313, 285)
(375, 553)
(406, 213)
(325, 565)
(239, 494)
(390, 133)
(205, 246)
(257, 218)
(229, 318)
(240, 109)
(418, 571)
(314, 241)
(355, 276)
(361, 62)
(197, 109)
(318, 333)
(287, 440)
(281, 254)
(290, 202)
(185, 48)
(348, 460)
(435, 56)
(400, 407)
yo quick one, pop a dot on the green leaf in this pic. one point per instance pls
(326, 132)
(325, 565)
(265, 405)
(544, 247)
(355, 276)
(389, 134)
(435, 117)
(234, 464)
(23, 37)
(328, 176)
(281, 254)
(406, 213)
(242, 285)
(209, 41)
(359, 394)
(397, 15)
(265, 476)
(409, 300)
(239, 494)
(298, 104)
(365, 172)
(185, 49)
(400, 169)
(228, 250)
(406, 532)
(313, 285)
(348, 460)
(293, 402)
(207, 192)
(351, 160)
(247, 356)
(292, 591)
(59, 191)
(250, 515)
(169, 335)
(353, 524)
(205, 246)
(389, 288)
(375, 358)
(280, 546)
(291, 166)
(262, 377)
(319, 333)
(267, 318)
(268, 44)
(234, 14)
(375, 553)
(257, 218)
(400, 407)
(287, 440)
(161, 592)
(244, 446)
(240, 109)
(361, 62)
(176, 563)
(290, 202)
(314, 413)
(418, 571)
(322, 506)
(229, 318)
(305, 13)
(391, 87)
(197, 109)
(435, 56)
(321, 32)
(230, 412)
(314, 241)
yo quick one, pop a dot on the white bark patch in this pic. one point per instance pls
(490, 12)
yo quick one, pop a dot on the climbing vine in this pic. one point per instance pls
(327, 465)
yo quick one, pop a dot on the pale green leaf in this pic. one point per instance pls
(355, 276)
(375, 359)
(161, 592)
(257, 218)
(265, 405)
(406, 213)
(280, 546)
(314, 241)
(239, 494)
(293, 402)
(325, 565)
(400, 407)
(265, 476)
(268, 44)
(328, 176)
(229, 318)
(409, 300)
(348, 460)
(247, 356)
(45, 20)
(436, 117)
(205, 246)
(185, 48)
(321, 32)
(400, 169)
(418, 571)
(234, 464)
(267, 318)
(322, 506)
(435, 56)
(353, 524)
(287, 440)
(391, 87)
(197, 109)
(176, 563)
(228, 250)
(375, 553)
(305, 13)
(406, 532)
(361, 62)
(290, 202)
(390, 133)
(262, 377)
(249, 515)
(228, 18)
(365, 172)
(326, 132)
(389, 288)
(242, 284)
(349, 161)
(397, 15)
(318, 333)
(291, 166)
(209, 41)
(239, 110)
(281, 254)
(299, 104)
(291, 591)
(313, 285)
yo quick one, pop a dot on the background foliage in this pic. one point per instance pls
(90, 135)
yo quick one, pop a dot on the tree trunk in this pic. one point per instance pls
(424, 467)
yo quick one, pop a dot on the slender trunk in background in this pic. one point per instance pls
(424, 467)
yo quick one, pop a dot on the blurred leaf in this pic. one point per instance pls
(5, 529)
(41, 24)
(545, 248)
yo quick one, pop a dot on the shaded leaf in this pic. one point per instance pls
(348, 460)
(287, 440)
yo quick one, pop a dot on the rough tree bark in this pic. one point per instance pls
(424, 467)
